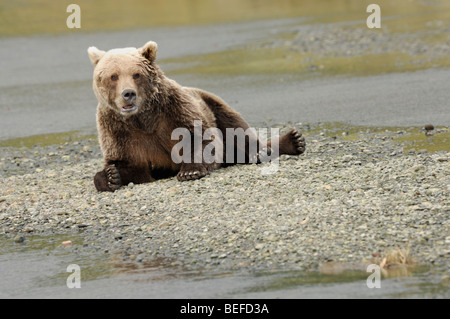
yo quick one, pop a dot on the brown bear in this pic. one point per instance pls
(139, 108)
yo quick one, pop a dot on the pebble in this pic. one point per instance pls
(128, 194)
(19, 239)
(67, 243)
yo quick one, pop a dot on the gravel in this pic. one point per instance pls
(347, 199)
(331, 47)
(347, 40)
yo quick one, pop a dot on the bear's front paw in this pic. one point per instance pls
(192, 171)
(107, 180)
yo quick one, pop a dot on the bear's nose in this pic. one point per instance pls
(129, 95)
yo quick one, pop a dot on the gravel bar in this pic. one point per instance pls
(345, 200)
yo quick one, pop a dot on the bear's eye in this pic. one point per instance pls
(114, 77)
(136, 76)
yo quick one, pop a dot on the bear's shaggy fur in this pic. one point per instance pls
(139, 107)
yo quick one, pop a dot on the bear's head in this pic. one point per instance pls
(125, 79)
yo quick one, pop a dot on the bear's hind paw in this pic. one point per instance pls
(292, 143)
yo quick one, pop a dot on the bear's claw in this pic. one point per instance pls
(113, 177)
(298, 141)
(191, 174)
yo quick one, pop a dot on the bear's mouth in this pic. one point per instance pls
(129, 108)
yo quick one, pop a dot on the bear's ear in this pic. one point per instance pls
(149, 50)
(95, 55)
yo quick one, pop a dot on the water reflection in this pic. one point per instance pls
(37, 267)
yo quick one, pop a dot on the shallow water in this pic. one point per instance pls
(38, 268)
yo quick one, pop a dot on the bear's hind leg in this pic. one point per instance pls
(292, 143)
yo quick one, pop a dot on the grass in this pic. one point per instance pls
(27, 17)
(257, 60)
(396, 257)
(428, 20)
(411, 138)
(42, 140)
(396, 262)
(419, 141)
